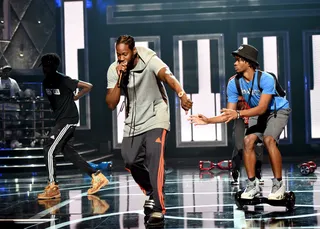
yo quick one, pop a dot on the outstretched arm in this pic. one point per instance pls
(166, 76)
(203, 120)
(262, 107)
(268, 90)
(84, 87)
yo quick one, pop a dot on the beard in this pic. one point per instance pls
(131, 62)
(130, 65)
(125, 77)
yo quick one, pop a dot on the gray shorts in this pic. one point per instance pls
(269, 124)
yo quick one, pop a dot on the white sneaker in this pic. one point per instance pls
(277, 191)
(251, 190)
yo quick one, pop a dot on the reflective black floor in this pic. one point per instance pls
(193, 200)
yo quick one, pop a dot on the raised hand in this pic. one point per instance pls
(121, 67)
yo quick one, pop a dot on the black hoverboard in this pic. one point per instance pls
(288, 201)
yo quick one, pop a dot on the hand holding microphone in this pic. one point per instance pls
(121, 68)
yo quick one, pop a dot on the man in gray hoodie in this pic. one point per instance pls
(140, 74)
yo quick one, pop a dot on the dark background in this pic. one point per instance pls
(290, 16)
(100, 33)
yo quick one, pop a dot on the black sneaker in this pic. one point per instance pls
(234, 182)
(156, 219)
(258, 173)
(235, 175)
(261, 181)
(148, 206)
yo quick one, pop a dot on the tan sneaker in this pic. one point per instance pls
(51, 191)
(97, 182)
(48, 186)
(98, 206)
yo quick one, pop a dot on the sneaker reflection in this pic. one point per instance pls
(98, 206)
(51, 205)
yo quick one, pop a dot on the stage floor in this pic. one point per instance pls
(193, 200)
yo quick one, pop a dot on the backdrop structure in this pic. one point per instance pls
(195, 38)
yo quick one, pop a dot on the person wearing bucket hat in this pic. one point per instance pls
(248, 53)
(268, 115)
(239, 129)
(60, 91)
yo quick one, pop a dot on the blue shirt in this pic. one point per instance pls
(267, 84)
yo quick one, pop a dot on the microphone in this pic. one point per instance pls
(123, 75)
(120, 79)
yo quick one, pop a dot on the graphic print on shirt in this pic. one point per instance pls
(52, 91)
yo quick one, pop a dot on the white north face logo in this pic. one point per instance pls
(56, 91)
(50, 91)
(52, 137)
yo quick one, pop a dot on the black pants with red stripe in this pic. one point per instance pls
(144, 157)
(61, 140)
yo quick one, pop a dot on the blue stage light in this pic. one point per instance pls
(58, 3)
(89, 4)
(102, 5)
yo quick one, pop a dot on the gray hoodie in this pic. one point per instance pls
(148, 100)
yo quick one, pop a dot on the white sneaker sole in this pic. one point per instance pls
(250, 198)
(275, 198)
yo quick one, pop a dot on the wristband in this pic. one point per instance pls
(238, 114)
